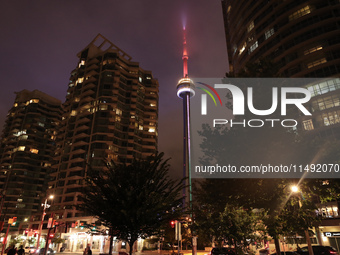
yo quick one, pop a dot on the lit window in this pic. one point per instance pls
(35, 151)
(324, 87)
(317, 62)
(117, 119)
(311, 50)
(330, 118)
(229, 8)
(308, 125)
(253, 47)
(251, 26)
(15, 105)
(243, 48)
(152, 130)
(140, 79)
(82, 63)
(269, 33)
(19, 133)
(23, 137)
(77, 99)
(140, 127)
(80, 80)
(113, 148)
(41, 124)
(153, 105)
(34, 101)
(103, 107)
(299, 13)
(119, 112)
(326, 182)
(21, 148)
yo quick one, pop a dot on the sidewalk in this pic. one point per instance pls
(185, 252)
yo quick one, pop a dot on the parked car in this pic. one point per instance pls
(287, 253)
(318, 250)
(41, 251)
(30, 250)
(222, 251)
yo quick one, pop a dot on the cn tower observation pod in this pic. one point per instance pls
(185, 86)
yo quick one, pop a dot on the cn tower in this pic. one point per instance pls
(185, 90)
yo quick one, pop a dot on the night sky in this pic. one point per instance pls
(40, 41)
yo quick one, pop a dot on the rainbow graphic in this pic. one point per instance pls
(209, 93)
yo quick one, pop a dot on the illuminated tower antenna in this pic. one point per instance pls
(185, 55)
(185, 90)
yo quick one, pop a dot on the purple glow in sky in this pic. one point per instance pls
(40, 41)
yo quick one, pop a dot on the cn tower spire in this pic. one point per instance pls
(185, 90)
(185, 55)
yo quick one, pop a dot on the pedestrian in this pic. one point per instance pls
(87, 250)
(21, 251)
(12, 251)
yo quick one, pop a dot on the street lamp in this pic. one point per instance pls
(45, 205)
(295, 189)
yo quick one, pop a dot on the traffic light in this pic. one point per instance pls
(173, 223)
(49, 224)
(14, 221)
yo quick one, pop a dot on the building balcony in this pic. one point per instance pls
(79, 143)
(82, 120)
(81, 135)
(88, 85)
(76, 160)
(88, 92)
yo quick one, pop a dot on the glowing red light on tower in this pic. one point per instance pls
(185, 55)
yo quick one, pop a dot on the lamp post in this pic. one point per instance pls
(295, 189)
(45, 205)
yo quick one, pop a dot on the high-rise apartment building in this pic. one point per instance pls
(302, 37)
(110, 113)
(26, 152)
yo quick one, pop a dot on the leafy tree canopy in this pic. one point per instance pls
(133, 200)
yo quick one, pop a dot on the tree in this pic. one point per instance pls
(17, 240)
(133, 200)
(57, 239)
(31, 241)
(235, 226)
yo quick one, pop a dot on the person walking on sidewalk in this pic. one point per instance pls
(21, 251)
(87, 250)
